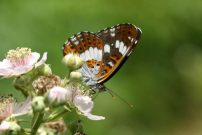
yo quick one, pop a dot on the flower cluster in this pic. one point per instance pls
(48, 97)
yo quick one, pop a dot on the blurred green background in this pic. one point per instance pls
(162, 79)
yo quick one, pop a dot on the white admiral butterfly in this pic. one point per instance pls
(103, 52)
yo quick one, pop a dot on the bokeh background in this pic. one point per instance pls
(162, 79)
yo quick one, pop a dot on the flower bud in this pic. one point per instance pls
(45, 69)
(72, 61)
(38, 104)
(75, 75)
(58, 95)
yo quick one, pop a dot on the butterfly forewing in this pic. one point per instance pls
(119, 42)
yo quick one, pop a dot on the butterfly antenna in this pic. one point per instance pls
(114, 95)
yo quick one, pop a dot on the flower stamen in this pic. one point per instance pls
(19, 56)
(6, 106)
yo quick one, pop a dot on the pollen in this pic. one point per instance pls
(18, 53)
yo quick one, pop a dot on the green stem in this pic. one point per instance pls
(57, 116)
(37, 123)
(68, 74)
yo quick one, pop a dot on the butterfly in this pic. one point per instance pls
(103, 52)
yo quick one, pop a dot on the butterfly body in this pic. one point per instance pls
(103, 52)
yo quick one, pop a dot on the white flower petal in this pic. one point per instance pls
(5, 125)
(22, 108)
(5, 68)
(42, 61)
(6, 72)
(21, 70)
(5, 64)
(83, 103)
(85, 106)
(33, 58)
(94, 117)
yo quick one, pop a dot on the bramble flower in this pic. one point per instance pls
(85, 105)
(59, 95)
(72, 61)
(9, 107)
(20, 61)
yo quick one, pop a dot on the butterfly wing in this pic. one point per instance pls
(90, 48)
(119, 42)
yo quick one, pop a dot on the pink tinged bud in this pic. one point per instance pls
(59, 95)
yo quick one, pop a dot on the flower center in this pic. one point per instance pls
(19, 56)
(6, 106)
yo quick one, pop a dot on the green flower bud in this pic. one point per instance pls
(75, 75)
(45, 69)
(38, 104)
(72, 61)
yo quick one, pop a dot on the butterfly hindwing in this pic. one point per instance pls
(90, 48)
(119, 42)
